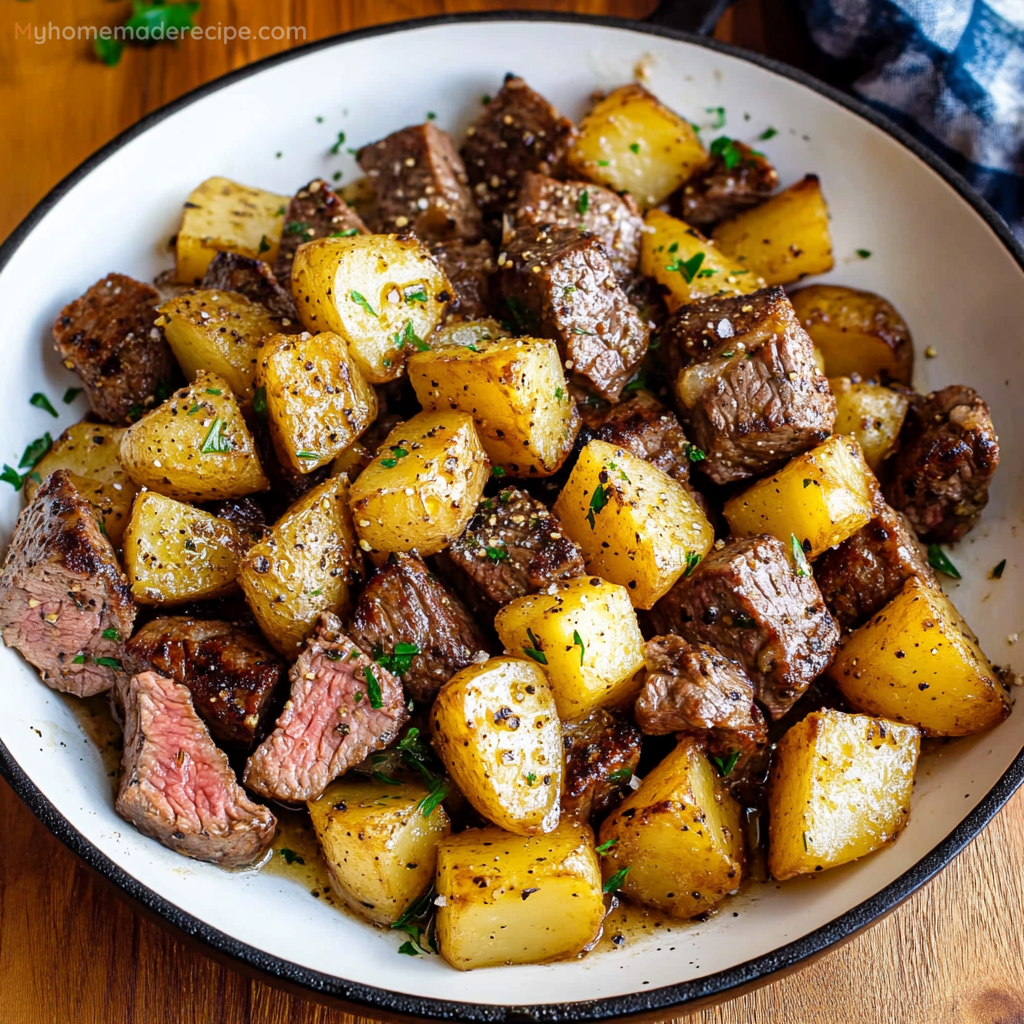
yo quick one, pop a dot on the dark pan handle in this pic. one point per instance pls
(697, 16)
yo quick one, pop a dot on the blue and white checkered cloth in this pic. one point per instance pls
(950, 72)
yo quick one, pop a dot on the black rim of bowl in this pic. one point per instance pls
(711, 988)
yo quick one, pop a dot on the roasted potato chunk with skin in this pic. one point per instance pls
(515, 900)
(631, 142)
(496, 728)
(585, 635)
(194, 447)
(784, 239)
(174, 552)
(856, 332)
(840, 788)
(515, 391)
(318, 402)
(308, 564)
(678, 835)
(637, 526)
(916, 661)
(382, 293)
(872, 413)
(380, 846)
(422, 487)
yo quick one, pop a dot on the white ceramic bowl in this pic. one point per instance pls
(937, 252)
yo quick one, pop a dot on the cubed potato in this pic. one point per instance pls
(317, 401)
(633, 143)
(820, 498)
(422, 487)
(174, 552)
(840, 787)
(637, 526)
(380, 847)
(689, 265)
(857, 332)
(916, 661)
(217, 331)
(221, 215)
(496, 728)
(466, 332)
(383, 294)
(308, 564)
(677, 837)
(516, 392)
(194, 447)
(585, 635)
(784, 239)
(512, 899)
(872, 413)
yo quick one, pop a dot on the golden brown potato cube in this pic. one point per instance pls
(516, 392)
(383, 294)
(840, 787)
(856, 332)
(221, 215)
(689, 265)
(585, 635)
(218, 331)
(676, 841)
(496, 728)
(307, 565)
(633, 143)
(916, 661)
(174, 552)
(872, 413)
(637, 526)
(820, 498)
(510, 899)
(422, 487)
(784, 239)
(380, 846)
(317, 401)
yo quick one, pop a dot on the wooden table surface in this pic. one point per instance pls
(71, 950)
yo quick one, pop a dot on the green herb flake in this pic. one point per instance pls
(386, 779)
(309, 456)
(497, 554)
(399, 661)
(863, 253)
(347, 233)
(336, 148)
(259, 403)
(215, 442)
(807, 483)
(11, 476)
(214, 391)
(997, 572)
(531, 778)
(71, 394)
(360, 301)
(497, 471)
(598, 500)
(290, 856)
(634, 147)
(439, 789)
(40, 401)
(620, 775)
(336, 176)
(800, 563)
(688, 268)
(414, 294)
(79, 659)
(111, 634)
(408, 336)
(583, 203)
(108, 50)
(603, 163)
(535, 651)
(264, 246)
(373, 687)
(693, 453)
(35, 450)
(577, 641)
(614, 884)
(768, 133)
(725, 764)
(606, 846)
(485, 99)
(296, 227)
(408, 949)
(431, 116)
(727, 149)
(559, 394)
(692, 561)
(108, 662)
(589, 334)
(939, 561)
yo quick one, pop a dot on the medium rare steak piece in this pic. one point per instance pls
(614, 220)
(748, 602)
(64, 602)
(735, 179)
(405, 606)
(746, 385)
(231, 673)
(109, 338)
(177, 787)
(419, 184)
(514, 545)
(559, 284)
(470, 269)
(866, 571)
(342, 707)
(601, 753)
(518, 131)
(257, 282)
(940, 474)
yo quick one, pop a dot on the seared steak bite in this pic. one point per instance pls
(419, 184)
(559, 284)
(342, 707)
(735, 179)
(469, 268)
(231, 673)
(518, 131)
(601, 753)
(513, 546)
(64, 602)
(746, 385)
(866, 571)
(405, 606)
(177, 787)
(940, 474)
(747, 601)
(614, 220)
(257, 282)
(109, 338)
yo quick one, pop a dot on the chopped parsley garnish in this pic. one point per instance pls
(336, 148)
(149, 22)
(707, 272)
(589, 334)
(360, 301)
(290, 856)
(214, 391)
(35, 450)
(215, 443)
(79, 659)
(497, 554)
(863, 253)
(71, 394)
(439, 789)
(421, 936)
(635, 147)
(799, 556)
(347, 233)
(598, 500)
(768, 133)
(997, 572)
(311, 456)
(583, 203)
(606, 846)
(939, 561)
(535, 651)
(719, 113)
(692, 561)
(807, 483)
(688, 268)
(373, 688)
(614, 884)
(603, 163)
(280, 211)
(620, 775)
(431, 116)
(577, 641)
(485, 99)
(315, 593)
(259, 402)
(397, 453)
(264, 246)
(195, 408)
(674, 247)
(725, 764)
(693, 453)
(40, 401)
(386, 779)
(416, 753)
(638, 383)
(531, 778)
(399, 661)
(11, 476)
(407, 336)
(296, 227)
(417, 293)
(107, 662)
(497, 471)
(111, 634)
(727, 149)
(559, 394)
